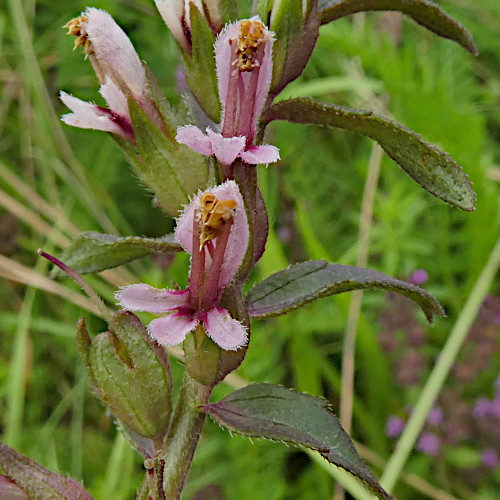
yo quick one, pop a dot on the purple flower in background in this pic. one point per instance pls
(482, 408)
(394, 426)
(435, 416)
(429, 444)
(496, 321)
(495, 406)
(243, 57)
(489, 457)
(419, 277)
(213, 229)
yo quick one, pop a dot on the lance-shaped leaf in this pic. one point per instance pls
(308, 281)
(91, 252)
(38, 481)
(173, 172)
(274, 412)
(434, 170)
(424, 12)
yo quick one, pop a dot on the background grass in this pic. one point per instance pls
(56, 181)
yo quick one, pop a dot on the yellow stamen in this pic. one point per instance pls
(251, 37)
(214, 215)
(76, 27)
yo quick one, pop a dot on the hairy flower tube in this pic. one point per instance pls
(118, 69)
(213, 229)
(243, 58)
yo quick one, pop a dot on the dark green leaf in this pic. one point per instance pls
(426, 13)
(38, 481)
(434, 170)
(91, 252)
(173, 172)
(229, 10)
(286, 22)
(308, 281)
(274, 412)
(200, 67)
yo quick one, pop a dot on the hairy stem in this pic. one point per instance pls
(183, 435)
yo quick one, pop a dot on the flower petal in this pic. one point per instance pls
(223, 60)
(226, 149)
(88, 115)
(172, 12)
(195, 139)
(172, 329)
(115, 98)
(115, 53)
(224, 330)
(238, 238)
(142, 297)
(256, 155)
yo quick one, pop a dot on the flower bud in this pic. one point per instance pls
(202, 356)
(129, 373)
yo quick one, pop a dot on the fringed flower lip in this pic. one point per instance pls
(114, 119)
(243, 58)
(213, 229)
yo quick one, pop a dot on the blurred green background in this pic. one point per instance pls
(56, 181)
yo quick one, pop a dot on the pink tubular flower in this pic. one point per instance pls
(243, 58)
(213, 229)
(119, 71)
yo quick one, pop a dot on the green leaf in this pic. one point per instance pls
(229, 10)
(172, 171)
(277, 413)
(91, 252)
(424, 12)
(200, 67)
(38, 481)
(295, 40)
(434, 170)
(308, 281)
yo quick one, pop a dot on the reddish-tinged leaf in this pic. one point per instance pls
(274, 412)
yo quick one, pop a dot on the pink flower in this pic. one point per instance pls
(213, 229)
(177, 17)
(116, 119)
(118, 69)
(243, 57)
